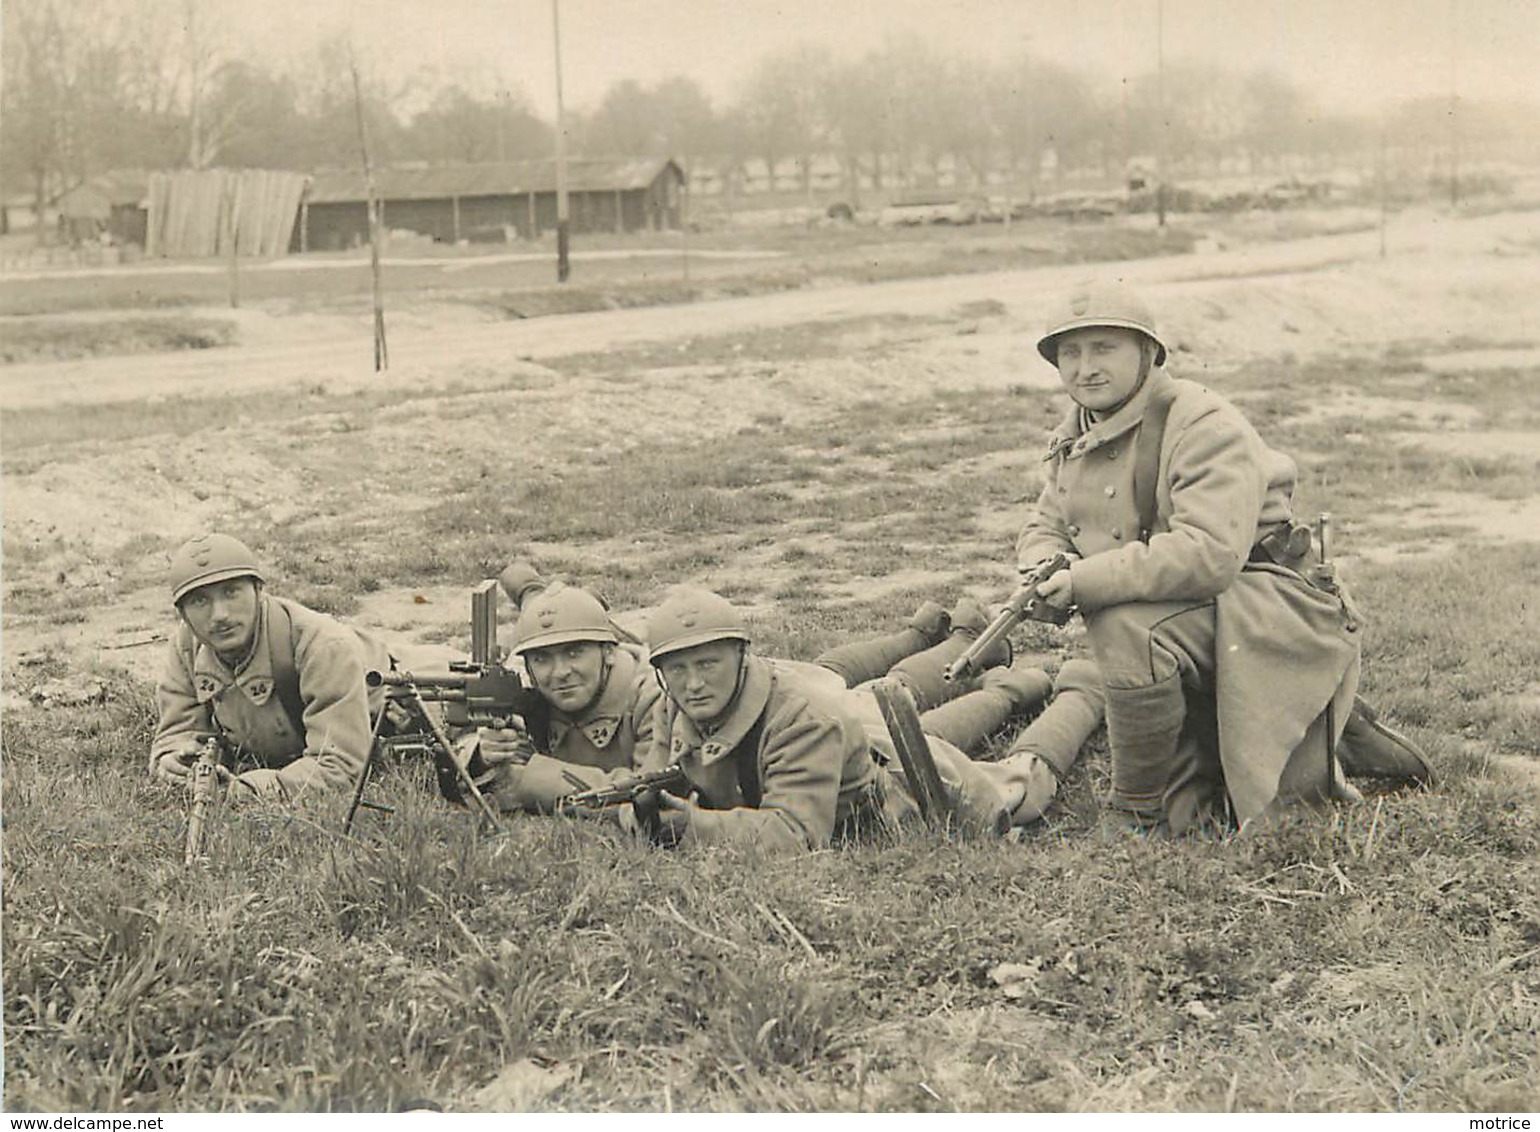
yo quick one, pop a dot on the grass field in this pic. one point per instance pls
(1383, 957)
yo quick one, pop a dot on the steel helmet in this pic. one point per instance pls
(208, 559)
(560, 615)
(690, 617)
(1100, 304)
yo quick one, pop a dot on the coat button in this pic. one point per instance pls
(1109, 491)
(1112, 453)
(1117, 532)
(1073, 530)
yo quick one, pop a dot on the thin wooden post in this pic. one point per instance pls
(563, 267)
(232, 202)
(381, 353)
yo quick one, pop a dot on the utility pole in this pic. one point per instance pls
(1160, 100)
(371, 193)
(563, 269)
(1454, 107)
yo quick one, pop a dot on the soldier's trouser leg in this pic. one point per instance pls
(1151, 655)
(978, 804)
(968, 720)
(860, 661)
(924, 674)
(971, 798)
(1047, 750)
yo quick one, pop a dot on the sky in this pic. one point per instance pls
(1356, 55)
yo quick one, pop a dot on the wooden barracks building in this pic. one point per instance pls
(492, 202)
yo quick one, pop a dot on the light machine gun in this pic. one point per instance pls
(1023, 605)
(480, 692)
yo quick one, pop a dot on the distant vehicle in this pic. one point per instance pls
(933, 208)
(1080, 206)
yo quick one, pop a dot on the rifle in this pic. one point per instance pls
(624, 791)
(1023, 605)
(205, 788)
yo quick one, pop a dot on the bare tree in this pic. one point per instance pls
(778, 114)
(858, 125)
(457, 126)
(202, 48)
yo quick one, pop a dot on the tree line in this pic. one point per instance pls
(96, 85)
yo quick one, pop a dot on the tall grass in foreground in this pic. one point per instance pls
(1381, 957)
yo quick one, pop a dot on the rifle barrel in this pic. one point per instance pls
(1007, 619)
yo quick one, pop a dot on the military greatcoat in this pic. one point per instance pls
(1285, 649)
(600, 745)
(323, 660)
(786, 767)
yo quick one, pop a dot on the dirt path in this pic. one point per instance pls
(1444, 283)
(1308, 295)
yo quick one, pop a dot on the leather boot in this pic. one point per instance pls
(1047, 750)
(860, 661)
(519, 580)
(924, 674)
(1369, 749)
(968, 720)
(1144, 725)
(1195, 801)
(976, 805)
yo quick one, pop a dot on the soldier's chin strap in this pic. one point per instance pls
(743, 668)
(1147, 351)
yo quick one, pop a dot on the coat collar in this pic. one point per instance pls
(1078, 434)
(600, 723)
(211, 676)
(719, 740)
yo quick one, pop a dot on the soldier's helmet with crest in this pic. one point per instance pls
(560, 615)
(207, 559)
(1099, 304)
(690, 616)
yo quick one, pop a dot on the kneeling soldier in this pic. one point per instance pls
(281, 685)
(1229, 656)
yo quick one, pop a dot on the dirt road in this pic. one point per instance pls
(92, 516)
(1442, 279)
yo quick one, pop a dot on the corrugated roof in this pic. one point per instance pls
(117, 187)
(493, 178)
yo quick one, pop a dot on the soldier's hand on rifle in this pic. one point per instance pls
(1028, 569)
(674, 815)
(501, 746)
(175, 766)
(1058, 590)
